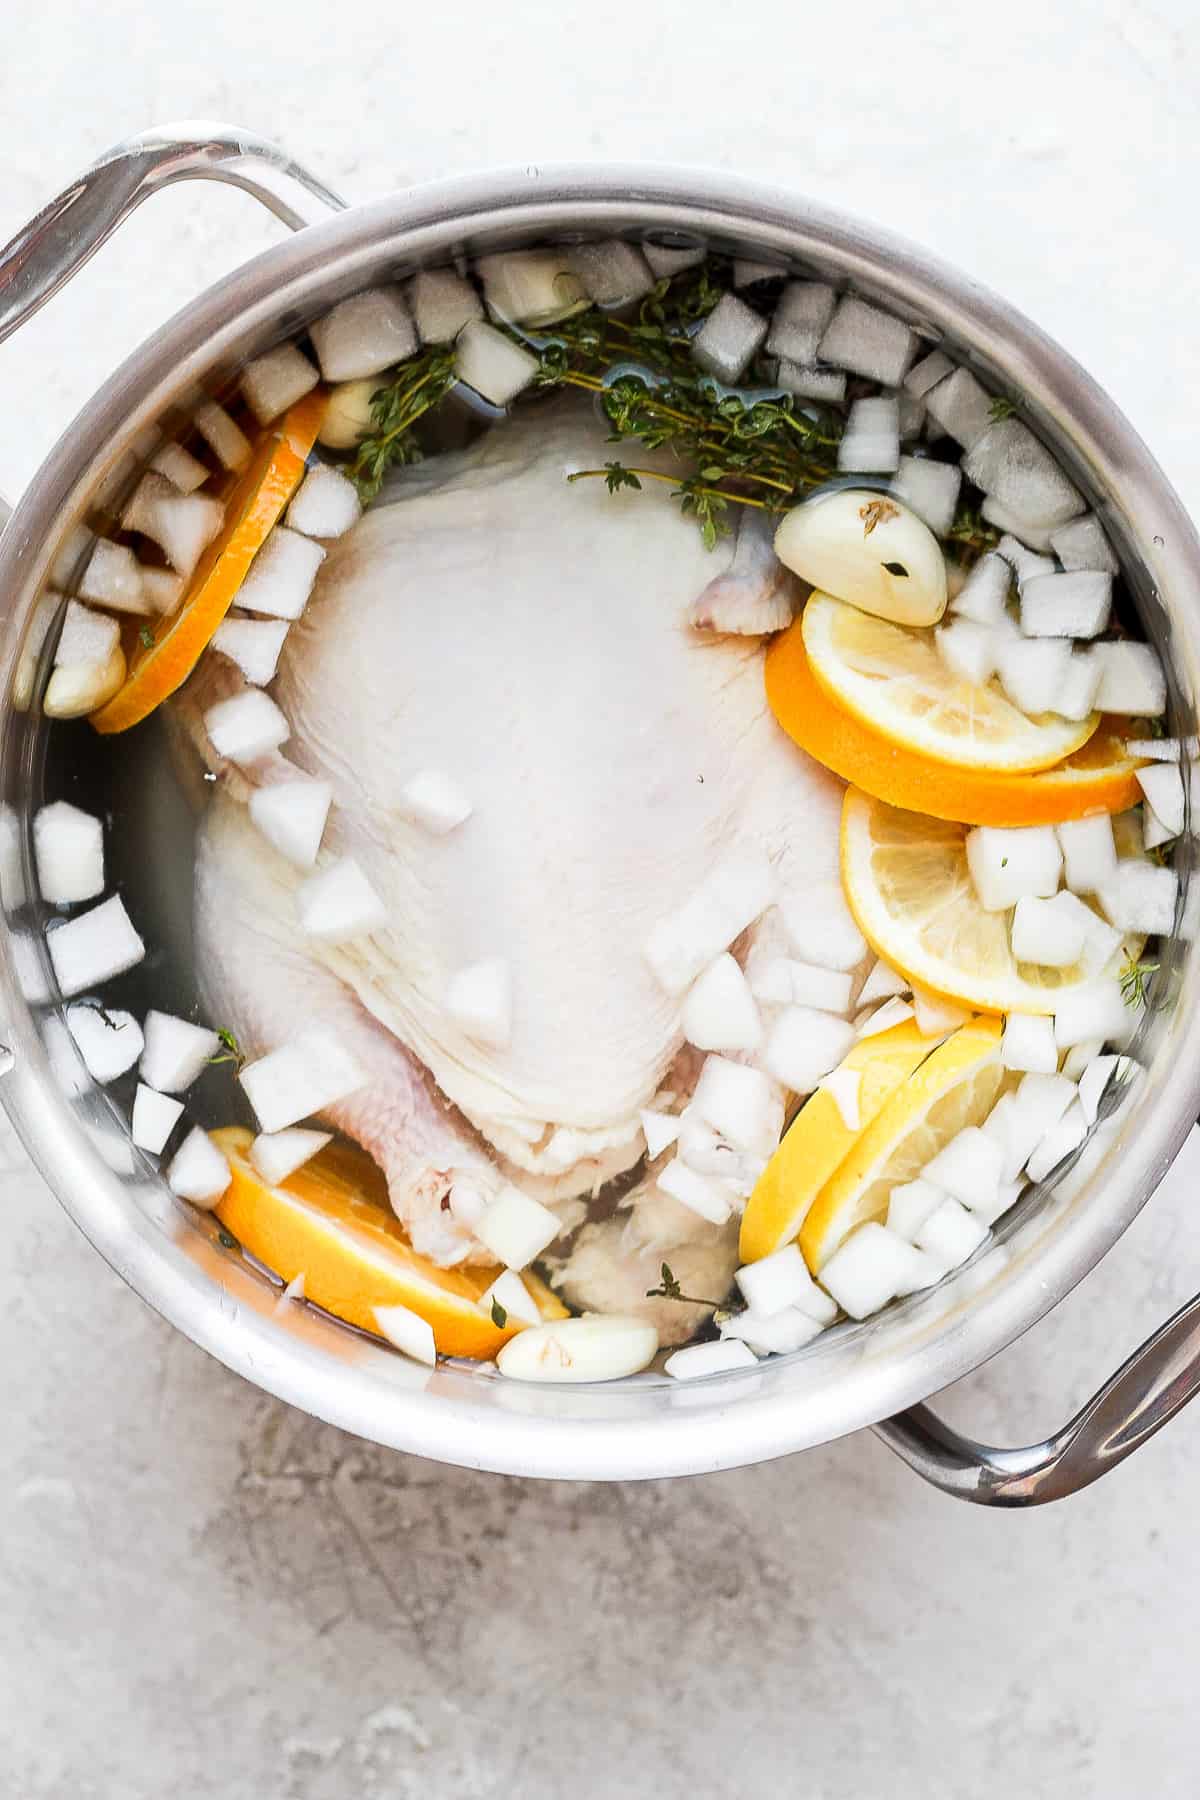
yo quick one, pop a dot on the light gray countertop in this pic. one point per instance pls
(206, 1594)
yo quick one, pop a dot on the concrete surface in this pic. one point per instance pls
(205, 1594)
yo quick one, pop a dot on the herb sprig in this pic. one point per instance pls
(1134, 978)
(755, 447)
(231, 1053)
(671, 1290)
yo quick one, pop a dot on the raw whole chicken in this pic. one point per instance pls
(570, 659)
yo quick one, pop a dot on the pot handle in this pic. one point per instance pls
(65, 234)
(1140, 1398)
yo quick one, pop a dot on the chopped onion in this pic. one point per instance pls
(155, 1117)
(177, 1052)
(983, 597)
(930, 488)
(113, 578)
(87, 638)
(278, 1154)
(866, 1271)
(671, 259)
(282, 575)
(301, 1078)
(272, 383)
(442, 303)
(729, 338)
(716, 1358)
(408, 1332)
(969, 1167)
(871, 440)
(162, 589)
(1141, 897)
(362, 336)
(291, 816)
(1010, 464)
(719, 1012)
(613, 272)
(910, 1204)
(1032, 537)
(737, 1102)
(868, 342)
(1089, 853)
(951, 1234)
(491, 363)
(109, 1042)
(435, 801)
(1051, 932)
(883, 983)
(515, 1228)
(701, 1194)
(339, 904)
(805, 1045)
(738, 891)
(660, 1131)
(530, 287)
(927, 373)
(891, 1013)
(1066, 1136)
(68, 845)
(798, 324)
(1033, 672)
(845, 1085)
(1006, 863)
(961, 407)
(1083, 545)
(1162, 784)
(94, 946)
(326, 504)
(1071, 606)
(224, 437)
(199, 1172)
(183, 470)
(1095, 1011)
(509, 1292)
(935, 1016)
(808, 383)
(777, 1335)
(479, 1000)
(1029, 1044)
(253, 644)
(246, 727)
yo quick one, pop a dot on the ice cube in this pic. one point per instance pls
(1131, 680)
(491, 363)
(1009, 463)
(1008, 863)
(109, 1042)
(245, 727)
(253, 644)
(1083, 545)
(68, 845)
(930, 488)
(281, 576)
(871, 441)
(442, 302)
(927, 373)
(961, 407)
(1089, 853)
(272, 383)
(983, 597)
(1033, 672)
(612, 272)
(1074, 605)
(868, 342)
(801, 314)
(730, 337)
(326, 504)
(828, 385)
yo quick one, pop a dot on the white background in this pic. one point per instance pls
(206, 1594)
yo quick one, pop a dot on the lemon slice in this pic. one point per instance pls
(907, 883)
(330, 1222)
(818, 1139)
(957, 1085)
(891, 678)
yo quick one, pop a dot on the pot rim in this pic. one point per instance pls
(625, 1432)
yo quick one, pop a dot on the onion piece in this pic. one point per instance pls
(278, 1154)
(94, 946)
(868, 342)
(492, 364)
(254, 645)
(339, 904)
(109, 1042)
(199, 1172)
(408, 1332)
(113, 578)
(282, 575)
(515, 1228)
(68, 846)
(509, 1292)
(246, 727)
(291, 816)
(719, 1012)
(177, 1052)
(155, 1117)
(479, 1000)
(716, 1358)
(442, 303)
(435, 801)
(224, 437)
(729, 338)
(325, 504)
(183, 470)
(272, 383)
(363, 335)
(301, 1078)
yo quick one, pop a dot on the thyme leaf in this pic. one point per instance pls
(1002, 408)
(1134, 977)
(232, 1052)
(671, 1290)
(499, 1315)
(145, 637)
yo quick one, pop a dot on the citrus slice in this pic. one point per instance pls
(252, 505)
(1098, 778)
(891, 678)
(818, 1139)
(331, 1223)
(907, 883)
(957, 1085)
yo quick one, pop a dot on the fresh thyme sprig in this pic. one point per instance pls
(232, 1053)
(1134, 977)
(671, 1290)
(414, 389)
(757, 447)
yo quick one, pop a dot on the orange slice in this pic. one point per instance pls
(252, 506)
(331, 1223)
(893, 679)
(1099, 778)
(818, 1139)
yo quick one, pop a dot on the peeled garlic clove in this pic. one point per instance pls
(79, 688)
(589, 1349)
(348, 415)
(868, 550)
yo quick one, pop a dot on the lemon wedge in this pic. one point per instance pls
(956, 1086)
(892, 679)
(818, 1138)
(906, 880)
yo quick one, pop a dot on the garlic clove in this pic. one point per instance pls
(869, 550)
(79, 688)
(348, 415)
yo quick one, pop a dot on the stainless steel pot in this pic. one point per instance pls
(855, 1375)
